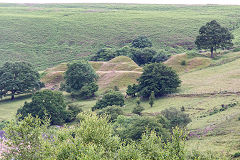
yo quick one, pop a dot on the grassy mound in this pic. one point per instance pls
(120, 71)
(181, 63)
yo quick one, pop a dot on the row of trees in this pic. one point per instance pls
(139, 51)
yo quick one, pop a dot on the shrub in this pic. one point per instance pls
(141, 42)
(236, 155)
(73, 111)
(86, 91)
(176, 117)
(132, 90)
(133, 127)
(143, 56)
(104, 54)
(109, 99)
(46, 103)
(183, 62)
(112, 111)
(237, 49)
(138, 109)
(158, 78)
(160, 57)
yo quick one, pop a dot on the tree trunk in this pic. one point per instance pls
(12, 97)
(212, 52)
(13, 93)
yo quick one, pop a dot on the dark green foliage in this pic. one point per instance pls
(143, 56)
(86, 91)
(160, 57)
(133, 127)
(236, 155)
(164, 121)
(112, 112)
(124, 51)
(141, 42)
(109, 99)
(132, 90)
(237, 49)
(116, 88)
(91, 139)
(183, 63)
(182, 108)
(138, 109)
(3, 124)
(104, 54)
(151, 99)
(213, 36)
(78, 75)
(159, 78)
(18, 78)
(46, 103)
(239, 118)
(73, 111)
(176, 117)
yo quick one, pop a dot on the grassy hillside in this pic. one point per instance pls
(47, 35)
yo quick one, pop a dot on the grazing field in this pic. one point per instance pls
(46, 35)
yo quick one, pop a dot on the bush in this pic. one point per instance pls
(161, 57)
(141, 42)
(104, 54)
(158, 78)
(86, 91)
(109, 99)
(132, 90)
(236, 155)
(92, 138)
(176, 117)
(138, 109)
(46, 103)
(3, 124)
(112, 111)
(73, 111)
(183, 62)
(143, 56)
(133, 127)
(237, 49)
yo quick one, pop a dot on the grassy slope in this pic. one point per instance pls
(50, 34)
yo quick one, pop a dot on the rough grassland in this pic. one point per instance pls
(46, 35)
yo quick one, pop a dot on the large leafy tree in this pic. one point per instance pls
(18, 78)
(213, 36)
(158, 78)
(80, 74)
(46, 103)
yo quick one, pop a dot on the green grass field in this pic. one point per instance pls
(46, 35)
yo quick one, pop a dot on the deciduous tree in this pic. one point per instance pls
(18, 78)
(213, 36)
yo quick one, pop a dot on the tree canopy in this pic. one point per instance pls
(158, 78)
(80, 74)
(18, 78)
(46, 103)
(109, 99)
(141, 42)
(213, 36)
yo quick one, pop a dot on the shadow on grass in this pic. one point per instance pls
(17, 98)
